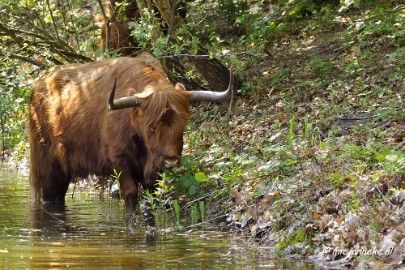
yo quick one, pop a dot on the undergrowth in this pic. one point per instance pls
(312, 159)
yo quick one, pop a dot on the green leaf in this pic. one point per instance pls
(200, 177)
(202, 210)
(176, 207)
(192, 190)
(187, 179)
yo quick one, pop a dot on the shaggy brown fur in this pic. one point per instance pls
(73, 134)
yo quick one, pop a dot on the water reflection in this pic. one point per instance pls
(89, 232)
(48, 218)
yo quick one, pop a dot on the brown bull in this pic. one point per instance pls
(77, 128)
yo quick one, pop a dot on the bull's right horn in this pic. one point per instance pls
(121, 103)
(198, 96)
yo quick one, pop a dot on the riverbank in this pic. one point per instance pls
(313, 156)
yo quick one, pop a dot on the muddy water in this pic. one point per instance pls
(89, 232)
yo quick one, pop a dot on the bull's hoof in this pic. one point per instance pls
(131, 220)
(149, 219)
(54, 201)
(150, 235)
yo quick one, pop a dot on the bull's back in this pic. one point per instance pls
(72, 132)
(69, 119)
(67, 112)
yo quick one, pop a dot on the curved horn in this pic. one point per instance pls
(121, 103)
(198, 96)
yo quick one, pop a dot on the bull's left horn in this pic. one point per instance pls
(198, 96)
(121, 103)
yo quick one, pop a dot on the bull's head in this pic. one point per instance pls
(161, 117)
(193, 96)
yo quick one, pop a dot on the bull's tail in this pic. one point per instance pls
(39, 169)
(39, 154)
(48, 180)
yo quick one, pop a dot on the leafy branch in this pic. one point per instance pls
(31, 36)
(25, 59)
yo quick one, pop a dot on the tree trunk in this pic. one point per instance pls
(175, 70)
(169, 14)
(214, 72)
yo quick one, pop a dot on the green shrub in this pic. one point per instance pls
(319, 67)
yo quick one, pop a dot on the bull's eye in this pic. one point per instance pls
(168, 117)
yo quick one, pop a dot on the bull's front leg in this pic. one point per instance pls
(129, 190)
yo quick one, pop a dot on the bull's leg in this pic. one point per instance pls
(55, 193)
(57, 186)
(129, 190)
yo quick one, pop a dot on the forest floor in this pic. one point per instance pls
(316, 162)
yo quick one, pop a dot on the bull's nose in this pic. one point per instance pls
(171, 162)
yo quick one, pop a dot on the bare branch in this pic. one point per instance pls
(251, 53)
(107, 25)
(25, 59)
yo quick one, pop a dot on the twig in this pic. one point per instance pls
(72, 54)
(231, 102)
(56, 44)
(398, 8)
(383, 196)
(107, 26)
(172, 16)
(293, 6)
(251, 52)
(195, 200)
(206, 222)
(74, 189)
(25, 59)
(55, 28)
(200, 22)
(87, 28)
(53, 216)
(400, 145)
(354, 119)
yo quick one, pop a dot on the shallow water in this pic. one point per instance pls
(89, 232)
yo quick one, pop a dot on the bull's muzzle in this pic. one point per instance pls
(171, 162)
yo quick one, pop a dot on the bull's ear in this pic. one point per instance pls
(148, 91)
(180, 86)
